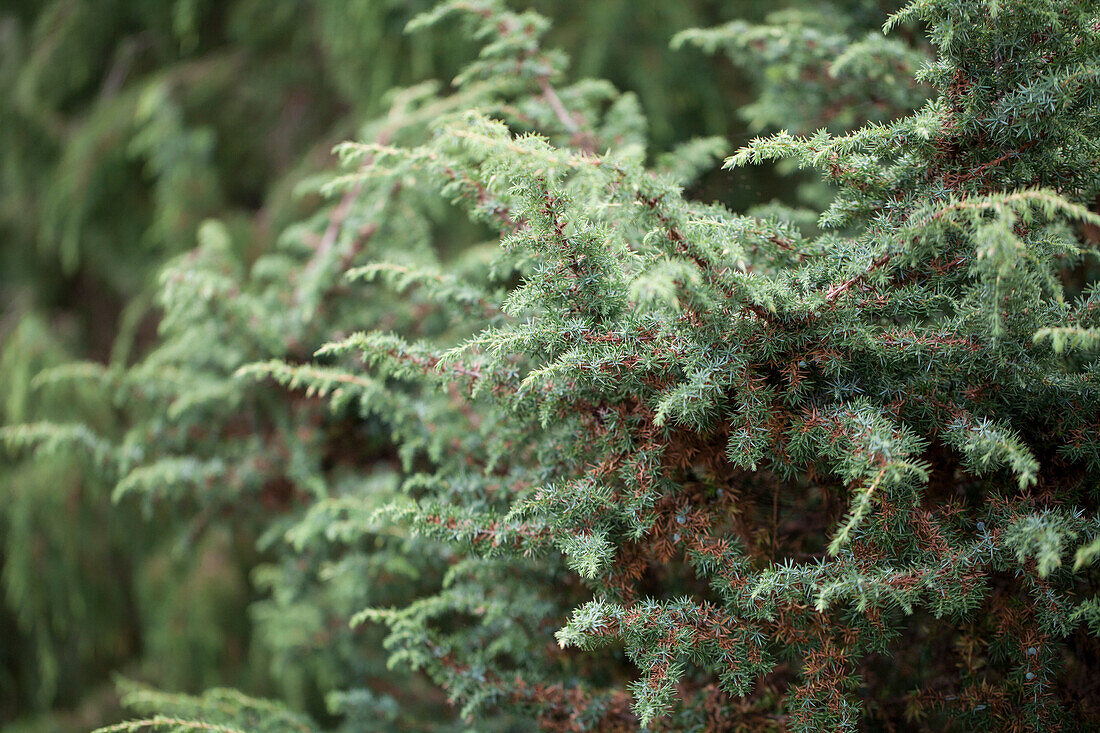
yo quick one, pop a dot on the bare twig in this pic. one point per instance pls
(556, 104)
(837, 290)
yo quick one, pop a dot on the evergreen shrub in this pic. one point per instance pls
(607, 457)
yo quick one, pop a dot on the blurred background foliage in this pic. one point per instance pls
(127, 123)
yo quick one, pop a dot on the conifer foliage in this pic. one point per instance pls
(641, 461)
(126, 123)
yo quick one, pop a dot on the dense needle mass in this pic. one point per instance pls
(641, 461)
